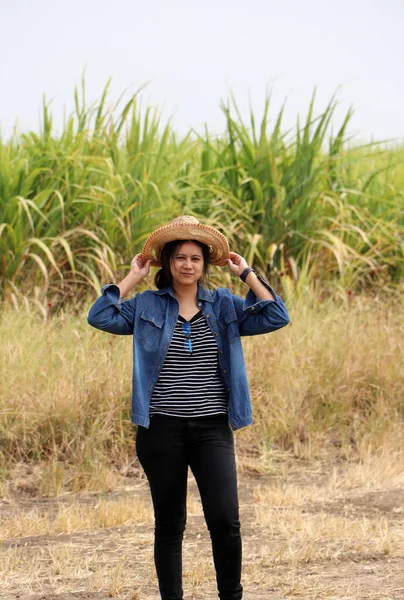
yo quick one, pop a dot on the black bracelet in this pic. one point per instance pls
(244, 274)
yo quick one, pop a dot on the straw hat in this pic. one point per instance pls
(186, 228)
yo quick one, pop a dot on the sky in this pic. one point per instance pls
(192, 54)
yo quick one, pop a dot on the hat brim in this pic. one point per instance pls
(211, 237)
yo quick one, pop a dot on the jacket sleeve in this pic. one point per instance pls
(256, 316)
(109, 313)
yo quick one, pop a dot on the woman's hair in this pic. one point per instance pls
(163, 277)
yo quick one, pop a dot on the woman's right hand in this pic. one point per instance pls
(139, 269)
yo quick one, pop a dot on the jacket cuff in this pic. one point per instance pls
(113, 293)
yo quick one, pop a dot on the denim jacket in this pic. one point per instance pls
(151, 317)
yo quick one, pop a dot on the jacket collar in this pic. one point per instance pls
(202, 294)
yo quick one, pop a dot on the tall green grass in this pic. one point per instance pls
(301, 205)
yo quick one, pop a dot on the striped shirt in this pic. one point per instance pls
(189, 384)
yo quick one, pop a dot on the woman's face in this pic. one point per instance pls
(187, 264)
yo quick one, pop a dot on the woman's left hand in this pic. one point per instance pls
(236, 263)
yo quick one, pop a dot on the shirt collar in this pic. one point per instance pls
(202, 294)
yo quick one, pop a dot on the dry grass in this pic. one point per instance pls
(76, 517)
(302, 531)
(376, 470)
(321, 470)
(330, 383)
(283, 494)
(305, 535)
(351, 513)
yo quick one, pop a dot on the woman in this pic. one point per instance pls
(190, 386)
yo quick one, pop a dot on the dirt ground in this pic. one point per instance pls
(309, 531)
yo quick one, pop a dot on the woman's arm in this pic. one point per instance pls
(262, 311)
(257, 287)
(237, 264)
(138, 271)
(109, 313)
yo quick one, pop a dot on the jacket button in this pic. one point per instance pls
(217, 333)
(224, 370)
(253, 308)
(199, 303)
(208, 315)
(233, 427)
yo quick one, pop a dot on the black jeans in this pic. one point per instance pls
(165, 451)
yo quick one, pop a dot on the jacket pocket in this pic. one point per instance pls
(228, 324)
(150, 326)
